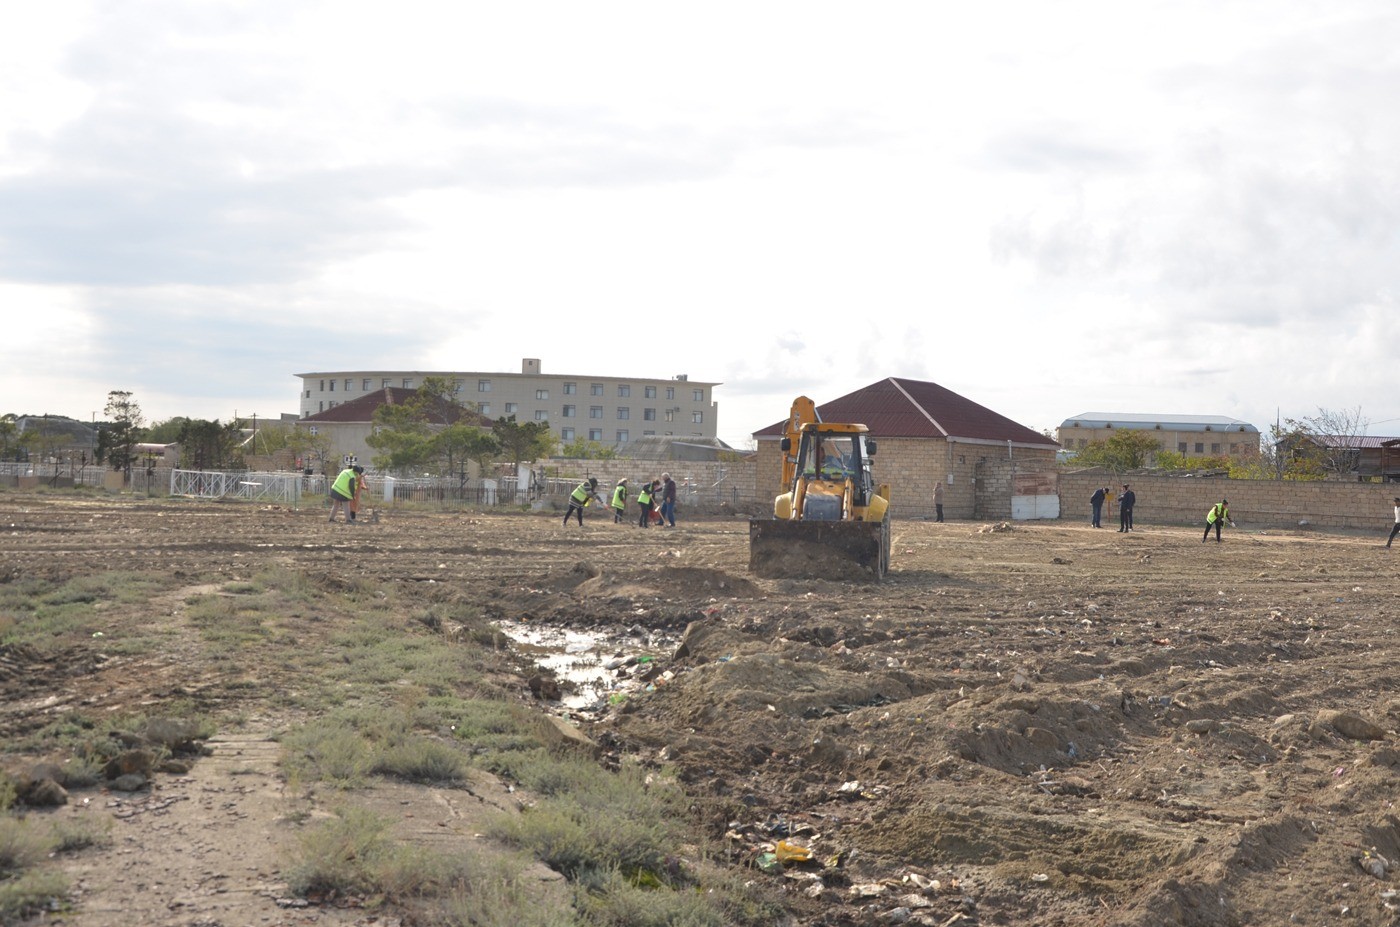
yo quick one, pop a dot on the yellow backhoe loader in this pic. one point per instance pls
(831, 520)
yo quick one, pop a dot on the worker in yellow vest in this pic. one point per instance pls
(585, 492)
(644, 500)
(1220, 512)
(619, 501)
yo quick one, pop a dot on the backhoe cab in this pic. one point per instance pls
(831, 520)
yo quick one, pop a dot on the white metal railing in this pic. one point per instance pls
(250, 485)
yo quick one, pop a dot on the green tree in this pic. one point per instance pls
(425, 432)
(521, 441)
(584, 449)
(1127, 449)
(124, 429)
(455, 445)
(209, 445)
(10, 447)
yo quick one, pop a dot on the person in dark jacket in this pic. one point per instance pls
(1125, 509)
(668, 500)
(1096, 505)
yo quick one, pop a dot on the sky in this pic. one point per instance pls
(1050, 208)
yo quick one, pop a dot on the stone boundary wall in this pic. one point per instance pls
(1174, 500)
(705, 484)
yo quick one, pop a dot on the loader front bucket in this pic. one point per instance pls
(819, 549)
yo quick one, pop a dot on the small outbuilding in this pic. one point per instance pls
(991, 467)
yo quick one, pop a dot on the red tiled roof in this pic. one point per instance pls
(362, 409)
(899, 408)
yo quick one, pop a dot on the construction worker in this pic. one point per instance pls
(644, 498)
(583, 493)
(1220, 512)
(619, 501)
(342, 492)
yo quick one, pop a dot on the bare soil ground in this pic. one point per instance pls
(1046, 724)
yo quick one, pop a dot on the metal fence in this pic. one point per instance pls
(284, 488)
(295, 488)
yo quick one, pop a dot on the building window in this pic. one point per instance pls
(648, 415)
(541, 415)
(308, 394)
(649, 392)
(623, 413)
(332, 389)
(570, 411)
(623, 436)
(1200, 448)
(570, 389)
(323, 386)
(595, 411)
(456, 386)
(385, 383)
(624, 390)
(697, 395)
(1215, 449)
(323, 406)
(1181, 447)
(408, 382)
(483, 386)
(595, 434)
(566, 433)
(332, 405)
(541, 394)
(697, 418)
(365, 384)
(1234, 448)
(484, 408)
(670, 392)
(349, 384)
(670, 415)
(595, 389)
(648, 432)
(512, 408)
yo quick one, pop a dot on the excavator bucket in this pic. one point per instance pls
(849, 550)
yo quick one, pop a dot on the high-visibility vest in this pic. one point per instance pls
(1217, 513)
(620, 497)
(581, 494)
(644, 497)
(344, 483)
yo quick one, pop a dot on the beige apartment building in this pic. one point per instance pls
(611, 410)
(1191, 435)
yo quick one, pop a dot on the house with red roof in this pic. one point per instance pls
(991, 467)
(348, 424)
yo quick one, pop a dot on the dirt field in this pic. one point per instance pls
(1046, 724)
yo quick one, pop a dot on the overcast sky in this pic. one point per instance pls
(1050, 208)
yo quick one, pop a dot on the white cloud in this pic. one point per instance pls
(1047, 207)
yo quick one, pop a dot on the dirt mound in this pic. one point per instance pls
(669, 582)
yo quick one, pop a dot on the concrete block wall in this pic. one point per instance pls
(1253, 503)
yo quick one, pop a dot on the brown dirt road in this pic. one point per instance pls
(1059, 725)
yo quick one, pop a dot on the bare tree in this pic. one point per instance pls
(1331, 439)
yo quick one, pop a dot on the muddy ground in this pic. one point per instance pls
(1040, 724)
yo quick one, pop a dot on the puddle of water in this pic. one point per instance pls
(594, 668)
